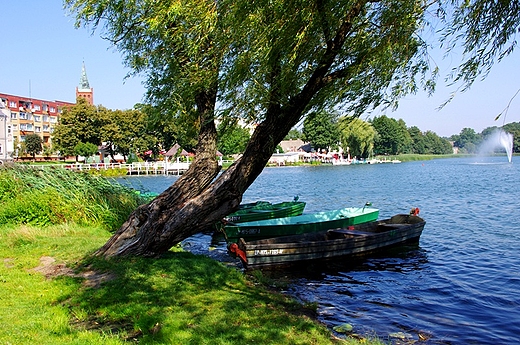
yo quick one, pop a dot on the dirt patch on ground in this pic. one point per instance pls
(8, 263)
(50, 269)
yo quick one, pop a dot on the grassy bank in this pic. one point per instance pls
(53, 291)
(51, 295)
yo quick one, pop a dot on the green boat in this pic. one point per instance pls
(312, 222)
(262, 210)
(354, 241)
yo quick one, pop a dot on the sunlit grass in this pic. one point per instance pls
(177, 299)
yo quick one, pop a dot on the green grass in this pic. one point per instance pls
(179, 298)
(52, 291)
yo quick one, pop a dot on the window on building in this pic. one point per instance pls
(13, 115)
(45, 118)
(37, 129)
(37, 107)
(53, 110)
(15, 127)
(23, 115)
(37, 118)
(45, 107)
(53, 119)
(46, 128)
(26, 127)
(12, 104)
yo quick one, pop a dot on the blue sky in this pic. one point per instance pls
(43, 53)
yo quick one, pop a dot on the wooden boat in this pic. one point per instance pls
(358, 240)
(265, 210)
(312, 222)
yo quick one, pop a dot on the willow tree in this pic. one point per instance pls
(356, 135)
(269, 62)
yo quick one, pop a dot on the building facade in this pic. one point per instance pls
(21, 116)
(32, 116)
(6, 133)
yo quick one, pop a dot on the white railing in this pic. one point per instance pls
(138, 168)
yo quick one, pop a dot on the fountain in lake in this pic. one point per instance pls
(500, 140)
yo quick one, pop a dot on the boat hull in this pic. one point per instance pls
(307, 223)
(265, 210)
(359, 240)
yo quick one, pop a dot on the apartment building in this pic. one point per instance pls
(32, 116)
(6, 133)
(21, 116)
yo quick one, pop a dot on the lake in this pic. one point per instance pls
(459, 286)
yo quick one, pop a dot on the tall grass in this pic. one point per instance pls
(45, 196)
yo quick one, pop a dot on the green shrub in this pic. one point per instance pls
(44, 196)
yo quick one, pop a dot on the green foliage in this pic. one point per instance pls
(78, 123)
(113, 172)
(392, 136)
(321, 130)
(356, 135)
(428, 143)
(260, 56)
(55, 196)
(233, 138)
(85, 149)
(436, 145)
(467, 140)
(486, 30)
(293, 135)
(33, 144)
(124, 131)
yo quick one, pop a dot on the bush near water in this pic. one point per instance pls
(45, 196)
(53, 291)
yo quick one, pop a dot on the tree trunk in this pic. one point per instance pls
(196, 201)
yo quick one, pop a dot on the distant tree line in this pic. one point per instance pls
(83, 128)
(383, 135)
(468, 140)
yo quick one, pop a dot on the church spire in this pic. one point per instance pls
(84, 90)
(83, 82)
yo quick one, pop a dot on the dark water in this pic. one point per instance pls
(461, 284)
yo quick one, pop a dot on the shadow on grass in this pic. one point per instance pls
(184, 298)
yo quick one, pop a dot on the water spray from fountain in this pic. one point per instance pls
(498, 140)
(504, 139)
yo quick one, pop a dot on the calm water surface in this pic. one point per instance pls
(459, 286)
